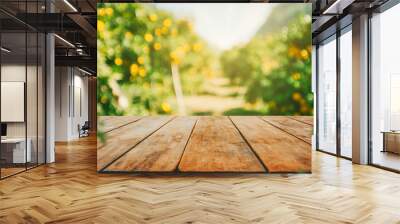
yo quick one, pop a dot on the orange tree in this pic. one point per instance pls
(137, 45)
(276, 69)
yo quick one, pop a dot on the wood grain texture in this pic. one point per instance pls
(305, 119)
(109, 123)
(299, 129)
(121, 140)
(160, 152)
(216, 146)
(278, 150)
(8, 171)
(71, 191)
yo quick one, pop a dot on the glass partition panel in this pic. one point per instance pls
(15, 151)
(327, 96)
(346, 93)
(22, 107)
(385, 89)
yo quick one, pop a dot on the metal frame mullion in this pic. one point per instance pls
(316, 104)
(37, 91)
(369, 78)
(26, 87)
(338, 80)
(0, 95)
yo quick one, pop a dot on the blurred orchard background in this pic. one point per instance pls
(152, 59)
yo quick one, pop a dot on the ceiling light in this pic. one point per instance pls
(80, 51)
(84, 71)
(5, 50)
(337, 7)
(64, 40)
(70, 5)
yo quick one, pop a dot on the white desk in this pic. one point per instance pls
(18, 149)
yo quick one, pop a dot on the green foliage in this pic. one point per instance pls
(281, 15)
(137, 45)
(276, 69)
(243, 112)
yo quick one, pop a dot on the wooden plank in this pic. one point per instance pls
(217, 146)
(161, 151)
(279, 151)
(121, 140)
(109, 123)
(294, 127)
(305, 119)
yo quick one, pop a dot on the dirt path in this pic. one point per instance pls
(220, 97)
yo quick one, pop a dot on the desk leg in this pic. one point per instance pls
(384, 142)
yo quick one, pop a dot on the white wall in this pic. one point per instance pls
(79, 117)
(14, 73)
(69, 82)
(62, 81)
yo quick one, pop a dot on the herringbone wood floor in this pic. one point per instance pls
(71, 191)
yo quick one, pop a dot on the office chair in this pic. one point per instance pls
(84, 130)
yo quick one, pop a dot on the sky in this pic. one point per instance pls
(223, 25)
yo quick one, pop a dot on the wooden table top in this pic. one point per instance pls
(203, 144)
